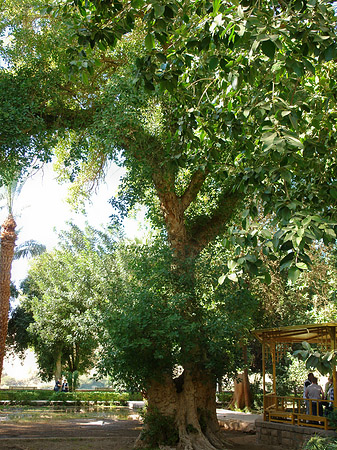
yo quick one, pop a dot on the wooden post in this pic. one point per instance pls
(274, 368)
(334, 375)
(264, 379)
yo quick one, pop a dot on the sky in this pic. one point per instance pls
(41, 211)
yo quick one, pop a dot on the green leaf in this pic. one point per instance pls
(301, 354)
(268, 48)
(267, 278)
(213, 62)
(311, 362)
(293, 274)
(333, 192)
(301, 265)
(232, 264)
(149, 41)
(216, 5)
(306, 346)
(331, 52)
(205, 42)
(158, 10)
(221, 279)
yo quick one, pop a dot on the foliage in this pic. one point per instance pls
(72, 379)
(248, 79)
(224, 397)
(332, 416)
(291, 374)
(18, 338)
(148, 329)
(159, 429)
(320, 443)
(65, 297)
(29, 248)
(24, 396)
(315, 359)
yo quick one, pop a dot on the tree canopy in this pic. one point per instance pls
(64, 294)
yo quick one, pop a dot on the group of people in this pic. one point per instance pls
(313, 391)
(61, 386)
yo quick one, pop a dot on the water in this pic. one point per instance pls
(17, 413)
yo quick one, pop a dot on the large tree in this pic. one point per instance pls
(240, 117)
(229, 108)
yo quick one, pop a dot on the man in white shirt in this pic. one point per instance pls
(315, 391)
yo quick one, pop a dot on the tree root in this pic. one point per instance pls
(201, 442)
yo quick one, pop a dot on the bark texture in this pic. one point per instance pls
(190, 401)
(58, 365)
(242, 397)
(8, 238)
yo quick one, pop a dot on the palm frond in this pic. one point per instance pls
(29, 249)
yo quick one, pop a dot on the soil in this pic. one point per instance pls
(89, 434)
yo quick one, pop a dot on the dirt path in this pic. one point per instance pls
(89, 434)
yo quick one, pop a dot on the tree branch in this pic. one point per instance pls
(205, 229)
(193, 188)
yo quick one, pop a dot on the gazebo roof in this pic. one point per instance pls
(313, 333)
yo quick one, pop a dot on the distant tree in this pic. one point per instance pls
(65, 296)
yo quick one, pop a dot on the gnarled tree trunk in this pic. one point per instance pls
(8, 237)
(190, 401)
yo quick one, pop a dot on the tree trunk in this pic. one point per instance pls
(58, 366)
(190, 402)
(8, 237)
(242, 397)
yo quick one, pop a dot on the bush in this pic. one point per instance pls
(25, 397)
(224, 397)
(332, 416)
(320, 443)
(159, 429)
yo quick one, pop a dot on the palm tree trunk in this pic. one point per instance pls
(8, 237)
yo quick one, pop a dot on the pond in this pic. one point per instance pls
(20, 413)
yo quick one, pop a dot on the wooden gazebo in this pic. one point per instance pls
(275, 343)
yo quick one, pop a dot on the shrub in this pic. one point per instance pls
(159, 429)
(224, 397)
(320, 443)
(332, 416)
(25, 397)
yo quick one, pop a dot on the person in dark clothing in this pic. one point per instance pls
(65, 387)
(307, 383)
(57, 386)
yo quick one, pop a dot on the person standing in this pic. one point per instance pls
(57, 386)
(307, 383)
(315, 391)
(65, 387)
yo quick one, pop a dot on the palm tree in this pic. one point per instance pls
(8, 237)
